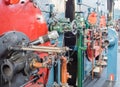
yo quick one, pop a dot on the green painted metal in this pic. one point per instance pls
(61, 25)
(80, 62)
(82, 25)
(56, 26)
(81, 48)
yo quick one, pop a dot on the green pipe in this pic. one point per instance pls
(81, 25)
(80, 61)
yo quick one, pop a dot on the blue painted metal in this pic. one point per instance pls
(112, 53)
(58, 70)
(79, 1)
(87, 67)
(55, 70)
(51, 78)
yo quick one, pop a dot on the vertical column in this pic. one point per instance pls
(112, 55)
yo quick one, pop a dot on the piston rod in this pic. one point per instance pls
(42, 49)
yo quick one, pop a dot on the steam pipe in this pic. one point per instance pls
(16, 64)
(9, 67)
(51, 36)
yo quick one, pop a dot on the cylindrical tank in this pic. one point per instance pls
(25, 17)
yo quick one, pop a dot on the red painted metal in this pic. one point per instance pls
(102, 21)
(93, 49)
(23, 17)
(92, 18)
(34, 85)
(11, 1)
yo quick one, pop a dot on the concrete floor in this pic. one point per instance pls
(101, 82)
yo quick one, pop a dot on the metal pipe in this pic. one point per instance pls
(42, 39)
(19, 62)
(46, 47)
(80, 63)
(41, 49)
(64, 74)
(36, 64)
(12, 66)
(61, 50)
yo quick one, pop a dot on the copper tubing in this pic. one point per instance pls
(36, 64)
(64, 74)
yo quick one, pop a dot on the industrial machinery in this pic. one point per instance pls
(23, 17)
(97, 44)
(30, 56)
(92, 42)
(25, 58)
(21, 59)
